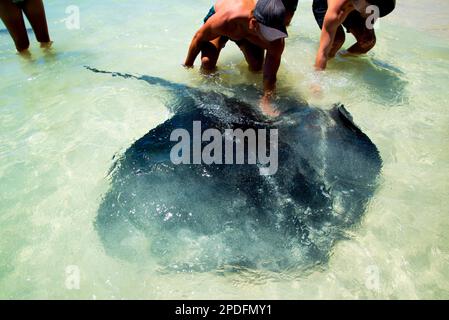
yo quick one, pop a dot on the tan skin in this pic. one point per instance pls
(12, 16)
(234, 20)
(333, 35)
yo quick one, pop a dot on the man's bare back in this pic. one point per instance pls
(235, 14)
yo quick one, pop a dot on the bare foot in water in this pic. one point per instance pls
(26, 54)
(268, 109)
(46, 45)
(316, 90)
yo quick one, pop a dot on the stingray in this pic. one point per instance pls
(198, 217)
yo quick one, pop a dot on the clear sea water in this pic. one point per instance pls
(60, 127)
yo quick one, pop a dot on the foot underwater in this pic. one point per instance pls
(205, 217)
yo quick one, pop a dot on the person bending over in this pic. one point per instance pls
(356, 16)
(257, 27)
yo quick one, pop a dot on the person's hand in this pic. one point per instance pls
(316, 90)
(316, 87)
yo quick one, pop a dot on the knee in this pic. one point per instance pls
(207, 63)
(368, 43)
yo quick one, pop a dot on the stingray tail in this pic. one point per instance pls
(114, 74)
(148, 79)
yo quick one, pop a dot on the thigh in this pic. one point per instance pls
(12, 17)
(356, 25)
(254, 54)
(35, 13)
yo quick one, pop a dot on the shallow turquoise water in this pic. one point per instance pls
(61, 126)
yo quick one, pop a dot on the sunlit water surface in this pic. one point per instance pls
(60, 127)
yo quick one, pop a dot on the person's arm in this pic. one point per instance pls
(333, 19)
(209, 31)
(271, 67)
(270, 70)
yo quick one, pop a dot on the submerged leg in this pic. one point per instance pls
(12, 17)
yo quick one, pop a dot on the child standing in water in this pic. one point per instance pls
(11, 13)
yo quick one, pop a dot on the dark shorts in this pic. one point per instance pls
(18, 3)
(354, 19)
(210, 14)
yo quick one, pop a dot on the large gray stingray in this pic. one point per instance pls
(203, 218)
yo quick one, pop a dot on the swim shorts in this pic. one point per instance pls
(210, 14)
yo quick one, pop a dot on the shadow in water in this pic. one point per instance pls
(385, 82)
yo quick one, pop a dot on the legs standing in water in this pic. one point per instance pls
(35, 13)
(12, 16)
